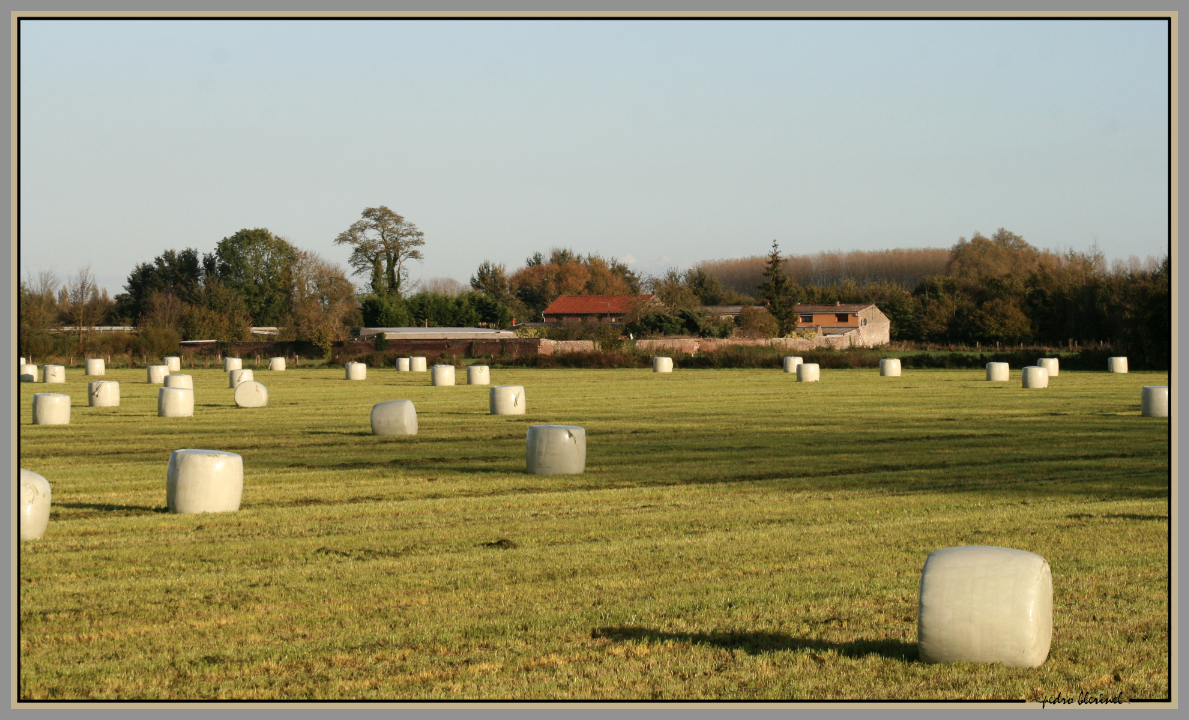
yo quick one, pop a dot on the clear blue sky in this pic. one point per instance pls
(660, 142)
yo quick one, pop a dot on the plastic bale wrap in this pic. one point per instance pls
(402, 364)
(27, 373)
(1116, 365)
(34, 508)
(889, 367)
(179, 381)
(985, 605)
(156, 374)
(103, 393)
(173, 362)
(662, 364)
(1049, 364)
(175, 402)
(998, 372)
(276, 364)
(251, 394)
(204, 481)
(1154, 401)
(442, 375)
(54, 374)
(51, 409)
(230, 363)
(417, 364)
(395, 417)
(808, 372)
(235, 377)
(791, 362)
(478, 375)
(507, 400)
(1035, 376)
(95, 367)
(555, 450)
(356, 371)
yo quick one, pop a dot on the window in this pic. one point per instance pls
(842, 317)
(864, 321)
(807, 319)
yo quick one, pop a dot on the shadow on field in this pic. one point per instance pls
(755, 643)
(111, 508)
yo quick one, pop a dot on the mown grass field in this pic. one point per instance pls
(736, 535)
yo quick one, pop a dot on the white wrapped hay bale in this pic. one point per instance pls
(356, 371)
(402, 364)
(173, 362)
(204, 481)
(1116, 365)
(808, 372)
(555, 450)
(27, 373)
(791, 362)
(55, 374)
(51, 409)
(507, 400)
(156, 374)
(179, 381)
(889, 367)
(417, 364)
(998, 372)
(276, 364)
(442, 375)
(1035, 376)
(1049, 364)
(95, 367)
(662, 364)
(251, 394)
(478, 375)
(103, 393)
(34, 505)
(230, 363)
(21, 361)
(1154, 401)
(235, 377)
(395, 417)
(175, 402)
(985, 605)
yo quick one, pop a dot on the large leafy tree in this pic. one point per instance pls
(779, 291)
(257, 266)
(383, 243)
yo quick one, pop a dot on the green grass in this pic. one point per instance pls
(736, 535)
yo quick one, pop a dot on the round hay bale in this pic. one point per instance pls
(791, 362)
(356, 371)
(1154, 401)
(1035, 376)
(417, 364)
(1049, 364)
(21, 361)
(478, 375)
(34, 505)
(985, 605)
(104, 393)
(507, 400)
(555, 450)
(442, 375)
(251, 394)
(235, 377)
(998, 372)
(173, 362)
(51, 409)
(662, 364)
(230, 363)
(1116, 365)
(204, 481)
(95, 367)
(55, 374)
(889, 367)
(395, 417)
(27, 373)
(402, 364)
(808, 372)
(179, 381)
(276, 364)
(175, 402)
(156, 374)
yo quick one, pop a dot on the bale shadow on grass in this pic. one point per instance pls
(755, 643)
(112, 508)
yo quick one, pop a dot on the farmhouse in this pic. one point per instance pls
(863, 322)
(593, 308)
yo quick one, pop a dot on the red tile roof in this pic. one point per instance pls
(593, 304)
(844, 308)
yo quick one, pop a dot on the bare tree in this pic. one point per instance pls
(84, 309)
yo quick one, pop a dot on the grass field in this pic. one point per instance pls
(736, 535)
